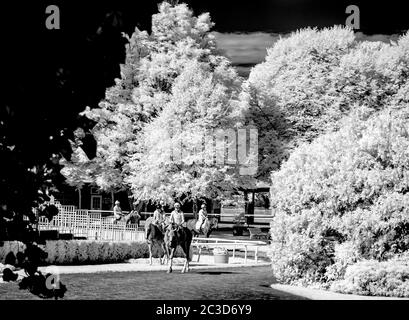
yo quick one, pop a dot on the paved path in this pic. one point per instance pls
(137, 265)
(317, 294)
(219, 283)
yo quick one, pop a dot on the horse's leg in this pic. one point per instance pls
(171, 259)
(162, 256)
(186, 248)
(187, 257)
(150, 252)
(165, 254)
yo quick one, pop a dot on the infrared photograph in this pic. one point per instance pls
(204, 158)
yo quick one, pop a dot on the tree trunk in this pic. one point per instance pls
(130, 199)
(195, 208)
(79, 198)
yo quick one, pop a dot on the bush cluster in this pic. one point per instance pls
(341, 207)
(76, 252)
(376, 278)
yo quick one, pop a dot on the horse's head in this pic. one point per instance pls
(172, 237)
(214, 223)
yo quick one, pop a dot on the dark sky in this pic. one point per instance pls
(22, 22)
(279, 16)
(289, 15)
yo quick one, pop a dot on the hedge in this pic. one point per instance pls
(375, 278)
(77, 252)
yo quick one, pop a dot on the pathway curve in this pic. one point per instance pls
(215, 284)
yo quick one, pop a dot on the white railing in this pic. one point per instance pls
(90, 224)
(98, 224)
(208, 243)
(260, 215)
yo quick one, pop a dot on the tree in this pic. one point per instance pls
(39, 115)
(311, 80)
(177, 159)
(288, 96)
(153, 62)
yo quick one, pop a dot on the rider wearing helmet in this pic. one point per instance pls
(202, 218)
(159, 216)
(177, 218)
(117, 212)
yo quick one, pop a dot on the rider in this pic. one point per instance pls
(117, 212)
(202, 218)
(159, 216)
(177, 218)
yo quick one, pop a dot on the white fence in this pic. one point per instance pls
(261, 215)
(91, 225)
(99, 225)
(211, 243)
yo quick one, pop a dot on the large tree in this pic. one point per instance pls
(312, 79)
(178, 158)
(288, 95)
(155, 80)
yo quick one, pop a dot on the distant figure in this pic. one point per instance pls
(202, 218)
(117, 212)
(203, 225)
(134, 216)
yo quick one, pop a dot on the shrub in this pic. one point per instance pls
(10, 246)
(92, 252)
(371, 277)
(345, 254)
(350, 185)
(63, 252)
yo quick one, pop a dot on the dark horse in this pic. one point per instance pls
(155, 235)
(131, 218)
(179, 236)
(207, 228)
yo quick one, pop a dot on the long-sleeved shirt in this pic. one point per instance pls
(158, 217)
(117, 211)
(177, 217)
(202, 215)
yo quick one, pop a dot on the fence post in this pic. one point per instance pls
(100, 229)
(88, 221)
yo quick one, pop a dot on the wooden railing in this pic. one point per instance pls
(90, 225)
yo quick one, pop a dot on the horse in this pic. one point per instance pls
(132, 217)
(154, 235)
(207, 228)
(179, 236)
